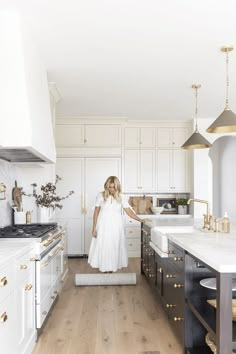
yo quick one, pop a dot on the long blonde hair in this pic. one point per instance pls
(112, 180)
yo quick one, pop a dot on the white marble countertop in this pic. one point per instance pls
(10, 250)
(218, 250)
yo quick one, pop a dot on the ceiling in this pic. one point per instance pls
(135, 59)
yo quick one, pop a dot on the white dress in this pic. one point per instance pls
(108, 250)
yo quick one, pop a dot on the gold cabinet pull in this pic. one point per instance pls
(177, 319)
(160, 270)
(178, 259)
(28, 286)
(178, 286)
(170, 305)
(47, 243)
(23, 266)
(3, 317)
(3, 281)
(170, 276)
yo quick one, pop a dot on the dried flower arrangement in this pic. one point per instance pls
(49, 198)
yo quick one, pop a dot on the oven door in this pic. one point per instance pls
(48, 276)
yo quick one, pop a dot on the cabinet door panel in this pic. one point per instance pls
(97, 170)
(164, 137)
(147, 137)
(69, 135)
(179, 136)
(164, 158)
(132, 137)
(131, 171)
(180, 171)
(102, 135)
(147, 170)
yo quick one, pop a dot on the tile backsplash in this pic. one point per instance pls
(25, 175)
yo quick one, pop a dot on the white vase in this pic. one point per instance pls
(19, 217)
(43, 214)
(182, 209)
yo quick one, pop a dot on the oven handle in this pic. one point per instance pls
(55, 253)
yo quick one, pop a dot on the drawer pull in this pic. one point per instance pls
(177, 286)
(178, 259)
(3, 281)
(177, 319)
(170, 276)
(160, 270)
(3, 317)
(151, 275)
(171, 252)
(23, 266)
(28, 286)
(170, 305)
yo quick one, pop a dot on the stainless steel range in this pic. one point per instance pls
(48, 243)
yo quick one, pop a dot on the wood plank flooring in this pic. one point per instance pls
(106, 319)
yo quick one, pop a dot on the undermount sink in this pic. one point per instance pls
(159, 238)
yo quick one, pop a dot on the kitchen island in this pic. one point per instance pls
(192, 256)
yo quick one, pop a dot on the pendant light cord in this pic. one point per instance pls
(227, 81)
(196, 110)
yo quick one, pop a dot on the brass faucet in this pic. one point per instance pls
(207, 216)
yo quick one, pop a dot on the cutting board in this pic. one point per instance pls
(141, 205)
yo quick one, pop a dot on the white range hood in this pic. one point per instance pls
(26, 131)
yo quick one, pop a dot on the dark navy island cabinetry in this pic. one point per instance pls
(175, 280)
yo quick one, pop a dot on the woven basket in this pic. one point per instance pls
(211, 344)
(213, 303)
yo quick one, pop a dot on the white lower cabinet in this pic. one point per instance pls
(139, 171)
(133, 237)
(173, 171)
(17, 305)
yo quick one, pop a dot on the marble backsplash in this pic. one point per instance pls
(25, 175)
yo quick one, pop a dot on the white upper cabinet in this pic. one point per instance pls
(172, 170)
(91, 135)
(139, 171)
(171, 137)
(139, 137)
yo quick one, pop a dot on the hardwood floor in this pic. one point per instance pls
(106, 319)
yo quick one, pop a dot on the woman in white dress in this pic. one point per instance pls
(108, 250)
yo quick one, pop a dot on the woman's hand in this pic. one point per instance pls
(146, 220)
(94, 233)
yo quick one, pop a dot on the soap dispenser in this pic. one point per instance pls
(225, 223)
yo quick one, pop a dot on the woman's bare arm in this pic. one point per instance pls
(95, 218)
(132, 215)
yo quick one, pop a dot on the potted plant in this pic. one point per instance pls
(48, 200)
(182, 204)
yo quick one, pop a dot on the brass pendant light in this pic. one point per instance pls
(226, 122)
(196, 140)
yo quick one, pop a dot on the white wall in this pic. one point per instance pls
(207, 173)
(25, 176)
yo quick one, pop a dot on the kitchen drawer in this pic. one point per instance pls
(43, 309)
(7, 280)
(24, 267)
(8, 325)
(133, 231)
(131, 222)
(133, 247)
(176, 256)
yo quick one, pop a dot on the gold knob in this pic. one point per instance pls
(3, 317)
(28, 286)
(176, 319)
(3, 281)
(178, 259)
(178, 286)
(23, 266)
(170, 305)
(170, 276)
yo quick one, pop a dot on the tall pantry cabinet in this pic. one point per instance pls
(86, 177)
